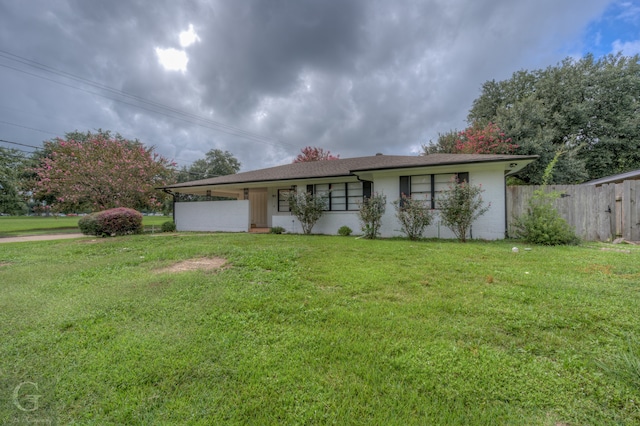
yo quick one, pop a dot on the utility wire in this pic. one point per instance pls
(27, 127)
(180, 115)
(21, 144)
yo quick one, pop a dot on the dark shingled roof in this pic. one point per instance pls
(348, 166)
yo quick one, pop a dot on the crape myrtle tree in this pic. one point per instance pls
(312, 153)
(477, 139)
(97, 171)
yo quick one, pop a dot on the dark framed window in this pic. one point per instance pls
(429, 187)
(283, 200)
(341, 196)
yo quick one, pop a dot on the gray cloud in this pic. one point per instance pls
(355, 77)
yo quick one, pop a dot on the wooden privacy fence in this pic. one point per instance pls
(597, 213)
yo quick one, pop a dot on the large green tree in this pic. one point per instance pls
(588, 108)
(12, 164)
(97, 171)
(215, 163)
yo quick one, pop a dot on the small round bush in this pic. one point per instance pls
(345, 231)
(542, 224)
(112, 222)
(88, 224)
(277, 230)
(168, 226)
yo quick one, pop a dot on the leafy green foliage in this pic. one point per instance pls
(588, 107)
(89, 224)
(370, 214)
(542, 224)
(168, 226)
(345, 231)
(277, 230)
(215, 163)
(414, 216)
(307, 207)
(112, 222)
(12, 163)
(461, 204)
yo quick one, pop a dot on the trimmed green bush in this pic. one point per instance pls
(277, 230)
(542, 224)
(345, 231)
(414, 216)
(370, 214)
(168, 226)
(88, 224)
(112, 222)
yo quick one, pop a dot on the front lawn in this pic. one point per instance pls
(317, 330)
(11, 226)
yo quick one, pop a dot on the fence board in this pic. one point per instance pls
(597, 213)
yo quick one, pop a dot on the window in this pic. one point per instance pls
(428, 187)
(340, 196)
(283, 202)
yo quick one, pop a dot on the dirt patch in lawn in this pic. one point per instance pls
(198, 264)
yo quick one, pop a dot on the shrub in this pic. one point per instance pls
(370, 214)
(112, 222)
(345, 231)
(414, 216)
(168, 226)
(460, 205)
(542, 224)
(308, 208)
(89, 224)
(277, 230)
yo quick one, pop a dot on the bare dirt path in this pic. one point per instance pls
(40, 238)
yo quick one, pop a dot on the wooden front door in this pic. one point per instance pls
(258, 205)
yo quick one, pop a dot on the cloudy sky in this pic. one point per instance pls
(265, 78)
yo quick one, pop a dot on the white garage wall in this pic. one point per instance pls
(212, 216)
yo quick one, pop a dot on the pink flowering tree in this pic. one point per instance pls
(312, 153)
(98, 172)
(483, 140)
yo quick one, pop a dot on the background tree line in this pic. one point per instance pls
(589, 109)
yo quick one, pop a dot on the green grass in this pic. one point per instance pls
(12, 226)
(318, 330)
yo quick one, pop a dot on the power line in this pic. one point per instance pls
(27, 127)
(21, 144)
(178, 114)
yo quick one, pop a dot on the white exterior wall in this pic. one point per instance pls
(490, 226)
(212, 216)
(328, 224)
(234, 216)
